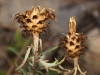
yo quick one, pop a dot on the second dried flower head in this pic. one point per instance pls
(73, 45)
(72, 42)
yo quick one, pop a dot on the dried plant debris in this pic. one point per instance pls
(72, 43)
(34, 21)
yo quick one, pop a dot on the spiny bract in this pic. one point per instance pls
(72, 42)
(34, 21)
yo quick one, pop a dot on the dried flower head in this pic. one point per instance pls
(34, 21)
(72, 42)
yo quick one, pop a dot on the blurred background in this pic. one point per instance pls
(13, 44)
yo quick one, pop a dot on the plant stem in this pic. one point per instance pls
(77, 68)
(75, 65)
(35, 48)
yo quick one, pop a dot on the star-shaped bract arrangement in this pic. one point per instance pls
(34, 21)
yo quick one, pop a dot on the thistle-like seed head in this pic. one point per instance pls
(34, 21)
(72, 42)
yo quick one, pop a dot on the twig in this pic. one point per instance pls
(61, 72)
(25, 59)
(53, 69)
(17, 59)
(40, 43)
(63, 68)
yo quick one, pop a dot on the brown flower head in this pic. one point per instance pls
(34, 21)
(72, 42)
